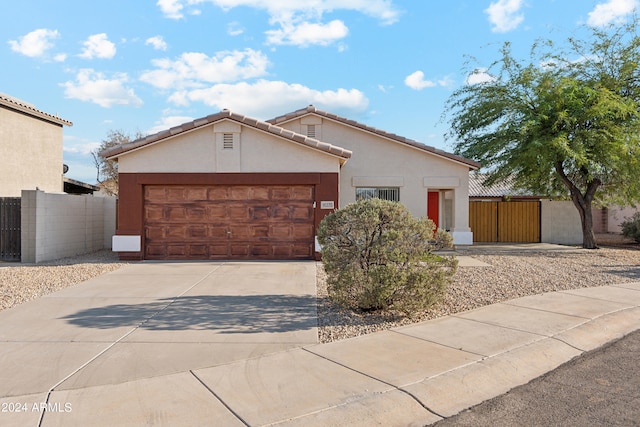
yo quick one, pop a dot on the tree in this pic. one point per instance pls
(565, 124)
(107, 170)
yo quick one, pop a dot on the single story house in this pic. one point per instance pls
(227, 186)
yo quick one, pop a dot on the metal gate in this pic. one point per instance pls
(505, 222)
(10, 228)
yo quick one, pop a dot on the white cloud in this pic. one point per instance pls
(171, 8)
(35, 43)
(416, 81)
(307, 33)
(612, 11)
(157, 42)
(234, 29)
(192, 69)
(98, 46)
(298, 22)
(504, 16)
(168, 122)
(93, 86)
(264, 99)
(61, 57)
(479, 76)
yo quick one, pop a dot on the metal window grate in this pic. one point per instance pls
(384, 193)
(227, 141)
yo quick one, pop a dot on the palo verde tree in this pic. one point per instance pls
(107, 170)
(566, 123)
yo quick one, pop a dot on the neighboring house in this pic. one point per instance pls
(38, 222)
(30, 147)
(227, 186)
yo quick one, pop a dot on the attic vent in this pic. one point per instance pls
(311, 131)
(227, 141)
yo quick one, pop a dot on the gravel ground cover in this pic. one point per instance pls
(20, 283)
(510, 274)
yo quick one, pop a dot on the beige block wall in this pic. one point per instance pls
(201, 151)
(60, 225)
(617, 215)
(31, 154)
(560, 223)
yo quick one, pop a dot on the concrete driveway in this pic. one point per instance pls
(235, 344)
(144, 321)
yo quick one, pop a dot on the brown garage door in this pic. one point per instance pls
(228, 222)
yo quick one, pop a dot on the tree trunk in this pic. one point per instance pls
(583, 204)
(588, 236)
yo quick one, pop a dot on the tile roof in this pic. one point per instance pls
(497, 190)
(313, 110)
(226, 114)
(24, 107)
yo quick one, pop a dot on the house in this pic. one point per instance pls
(227, 186)
(31, 147)
(38, 222)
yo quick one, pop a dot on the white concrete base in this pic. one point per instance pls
(462, 237)
(126, 243)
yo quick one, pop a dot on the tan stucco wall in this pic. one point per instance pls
(379, 162)
(560, 222)
(201, 151)
(31, 154)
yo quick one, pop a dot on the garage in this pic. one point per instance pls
(228, 222)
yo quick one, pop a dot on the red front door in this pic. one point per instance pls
(433, 207)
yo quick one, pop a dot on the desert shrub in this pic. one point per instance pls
(442, 240)
(377, 256)
(631, 227)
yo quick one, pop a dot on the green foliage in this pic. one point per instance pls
(631, 227)
(376, 256)
(567, 123)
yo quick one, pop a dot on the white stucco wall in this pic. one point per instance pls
(60, 225)
(201, 151)
(31, 154)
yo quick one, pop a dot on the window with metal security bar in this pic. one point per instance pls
(384, 193)
(227, 141)
(311, 131)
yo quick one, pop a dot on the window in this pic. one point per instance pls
(384, 193)
(227, 141)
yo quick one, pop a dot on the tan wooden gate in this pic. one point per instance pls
(505, 222)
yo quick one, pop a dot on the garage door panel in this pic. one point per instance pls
(222, 222)
(240, 193)
(303, 231)
(154, 232)
(280, 231)
(259, 212)
(216, 212)
(218, 193)
(197, 193)
(176, 194)
(178, 213)
(304, 213)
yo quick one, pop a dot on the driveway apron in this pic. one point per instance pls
(152, 319)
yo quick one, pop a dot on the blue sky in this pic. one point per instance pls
(147, 65)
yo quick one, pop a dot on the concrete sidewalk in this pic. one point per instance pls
(235, 344)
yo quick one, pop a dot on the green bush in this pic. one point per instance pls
(631, 227)
(377, 256)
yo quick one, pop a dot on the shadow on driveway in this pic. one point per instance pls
(224, 314)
